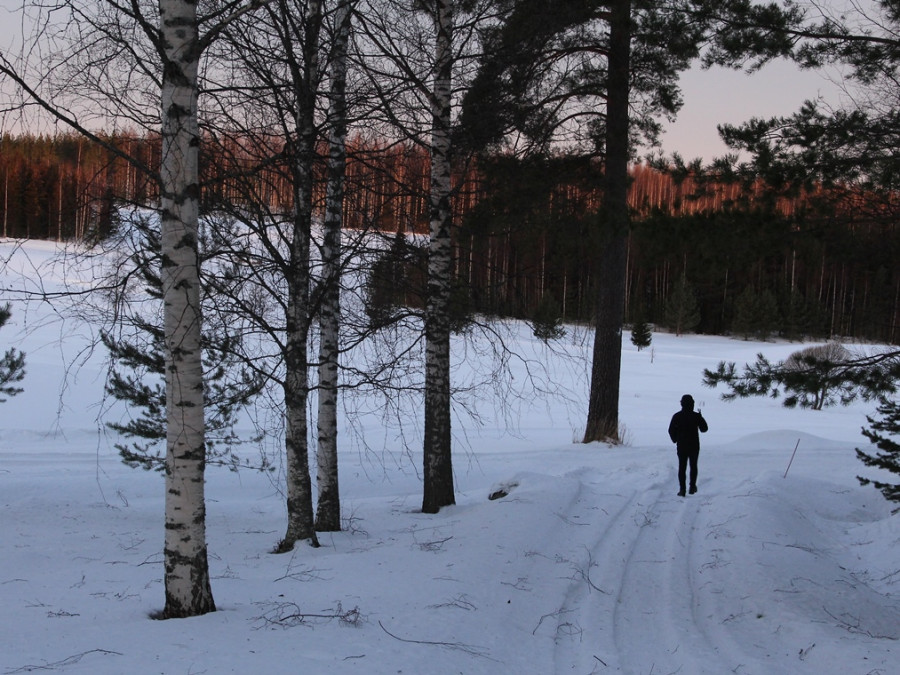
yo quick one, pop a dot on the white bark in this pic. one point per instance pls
(438, 471)
(328, 510)
(187, 586)
(301, 524)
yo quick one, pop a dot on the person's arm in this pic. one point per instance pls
(673, 428)
(701, 422)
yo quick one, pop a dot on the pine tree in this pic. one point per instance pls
(822, 373)
(137, 364)
(812, 377)
(12, 364)
(884, 433)
(603, 397)
(136, 378)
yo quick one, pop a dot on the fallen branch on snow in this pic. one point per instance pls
(468, 649)
(68, 661)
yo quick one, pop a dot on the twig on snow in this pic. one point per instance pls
(585, 572)
(461, 601)
(563, 628)
(854, 626)
(288, 615)
(433, 545)
(460, 646)
(68, 661)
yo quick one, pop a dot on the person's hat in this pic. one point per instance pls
(687, 399)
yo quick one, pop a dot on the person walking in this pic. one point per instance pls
(684, 431)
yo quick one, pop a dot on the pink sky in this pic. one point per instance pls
(720, 96)
(710, 97)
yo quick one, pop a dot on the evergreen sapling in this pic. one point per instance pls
(12, 364)
(884, 434)
(641, 334)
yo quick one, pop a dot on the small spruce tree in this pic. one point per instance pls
(546, 322)
(462, 312)
(884, 434)
(641, 334)
(12, 364)
(744, 313)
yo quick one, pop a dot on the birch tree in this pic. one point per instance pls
(188, 590)
(273, 84)
(438, 469)
(328, 508)
(304, 79)
(412, 73)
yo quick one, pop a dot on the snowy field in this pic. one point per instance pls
(591, 564)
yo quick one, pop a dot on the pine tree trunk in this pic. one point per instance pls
(187, 586)
(301, 524)
(438, 470)
(603, 404)
(328, 510)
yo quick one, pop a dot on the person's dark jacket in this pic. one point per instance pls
(685, 427)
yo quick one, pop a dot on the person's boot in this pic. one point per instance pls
(681, 492)
(693, 489)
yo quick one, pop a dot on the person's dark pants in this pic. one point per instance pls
(683, 458)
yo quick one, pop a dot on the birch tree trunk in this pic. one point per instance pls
(328, 510)
(187, 587)
(438, 470)
(301, 524)
(603, 404)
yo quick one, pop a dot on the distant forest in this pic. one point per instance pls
(725, 259)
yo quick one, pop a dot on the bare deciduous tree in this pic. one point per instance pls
(180, 46)
(188, 591)
(438, 469)
(328, 507)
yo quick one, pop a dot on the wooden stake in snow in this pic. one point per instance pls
(792, 459)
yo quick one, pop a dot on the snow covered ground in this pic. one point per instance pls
(591, 564)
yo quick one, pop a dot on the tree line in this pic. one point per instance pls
(726, 258)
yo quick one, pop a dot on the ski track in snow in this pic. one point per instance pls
(646, 559)
(665, 585)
